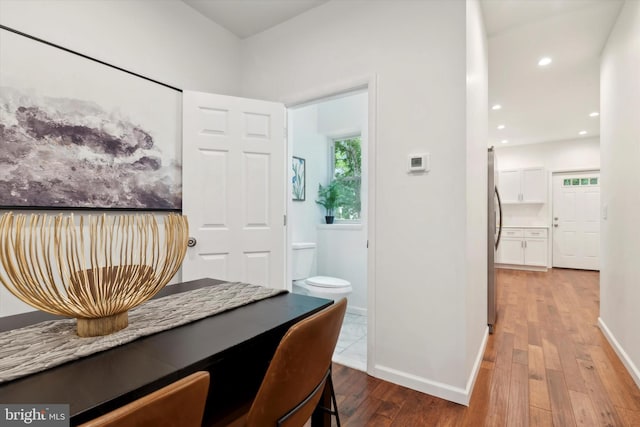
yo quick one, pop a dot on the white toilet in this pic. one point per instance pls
(317, 286)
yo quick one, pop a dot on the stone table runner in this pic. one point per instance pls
(47, 344)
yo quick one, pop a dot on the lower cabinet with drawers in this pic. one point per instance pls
(523, 247)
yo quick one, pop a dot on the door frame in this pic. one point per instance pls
(551, 189)
(366, 83)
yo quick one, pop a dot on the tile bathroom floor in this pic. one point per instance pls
(351, 349)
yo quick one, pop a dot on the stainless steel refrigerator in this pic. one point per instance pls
(495, 231)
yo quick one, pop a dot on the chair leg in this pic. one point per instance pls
(333, 398)
(334, 403)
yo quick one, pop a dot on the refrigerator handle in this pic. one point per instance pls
(500, 210)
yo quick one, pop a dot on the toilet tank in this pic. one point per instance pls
(302, 259)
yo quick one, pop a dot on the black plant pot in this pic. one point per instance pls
(329, 219)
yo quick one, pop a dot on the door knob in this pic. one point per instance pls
(555, 225)
(555, 219)
(191, 242)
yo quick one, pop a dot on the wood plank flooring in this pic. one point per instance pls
(547, 364)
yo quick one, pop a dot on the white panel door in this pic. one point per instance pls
(534, 185)
(509, 185)
(234, 188)
(576, 221)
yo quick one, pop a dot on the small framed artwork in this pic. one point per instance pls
(298, 181)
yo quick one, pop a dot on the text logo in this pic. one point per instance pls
(34, 415)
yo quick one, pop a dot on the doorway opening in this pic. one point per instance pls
(327, 215)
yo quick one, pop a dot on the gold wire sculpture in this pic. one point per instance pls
(54, 265)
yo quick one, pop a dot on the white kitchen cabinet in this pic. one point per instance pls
(509, 185)
(535, 252)
(510, 251)
(523, 247)
(523, 185)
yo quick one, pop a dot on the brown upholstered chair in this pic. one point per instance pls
(295, 379)
(180, 404)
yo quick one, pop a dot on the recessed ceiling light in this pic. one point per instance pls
(505, 141)
(496, 107)
(594, 114)
(501, 127)
(543, 62)
(582, 132)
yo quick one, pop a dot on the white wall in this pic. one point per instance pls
(168, 41)
(477, 189)
(583, 153)
(619, 136)
(341, 249)
(416, 51)
(311, 145)
(342, 252)
(554, 156)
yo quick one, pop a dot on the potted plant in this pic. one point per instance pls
(329, 198)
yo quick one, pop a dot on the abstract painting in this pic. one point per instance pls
(297, 182)
(79, 133)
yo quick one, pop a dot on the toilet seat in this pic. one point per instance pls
(323, 287)
(327, 282)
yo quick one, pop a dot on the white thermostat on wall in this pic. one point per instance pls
(419, 162)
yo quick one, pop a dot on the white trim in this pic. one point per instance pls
(471, 382)
(289, 201)
(372, 170)
(522, 267)
(356, 310)
(345, 133)
(340, 226)
(349, 362)
(579, 170)
(436, 388)
(626, 360)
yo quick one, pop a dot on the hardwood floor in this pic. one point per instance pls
(546, 364)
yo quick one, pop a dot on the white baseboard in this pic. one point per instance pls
(626, 360)
(521, 267)
(350, 363)
(357, 310)
(435, 388)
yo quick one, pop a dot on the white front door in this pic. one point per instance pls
(576, 220)
(234, 188)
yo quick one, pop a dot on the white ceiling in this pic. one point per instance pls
(539, 104)
(245, 18)
(552, 103)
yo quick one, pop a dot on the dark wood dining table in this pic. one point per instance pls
(234, 346)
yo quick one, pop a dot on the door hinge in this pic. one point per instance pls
(367, 244)
(285, 220)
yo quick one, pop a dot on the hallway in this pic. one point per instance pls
(547, 364)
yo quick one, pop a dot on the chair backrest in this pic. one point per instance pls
(180, 404)
(299, 366)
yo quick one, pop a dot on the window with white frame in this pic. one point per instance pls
(347, 173)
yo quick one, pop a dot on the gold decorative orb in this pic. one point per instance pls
(95, 273)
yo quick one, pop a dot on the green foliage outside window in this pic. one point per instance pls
(347, 173)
